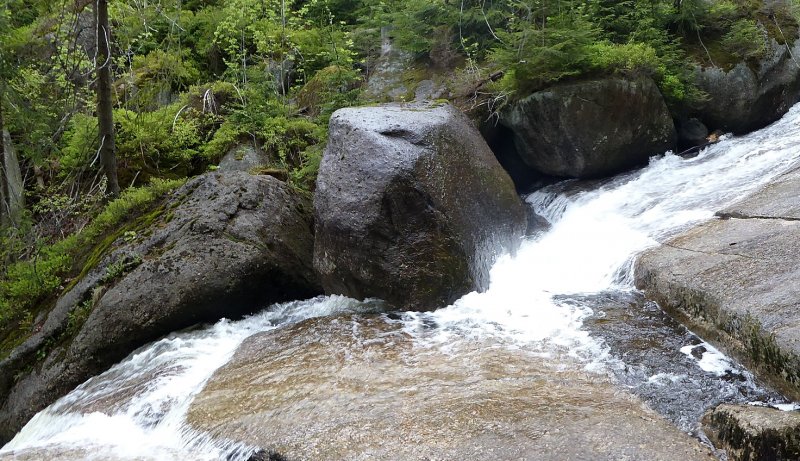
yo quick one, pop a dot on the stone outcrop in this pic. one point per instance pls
(691, 133)
(591, 128)
(387, 81)
(735, 280)
(224, 245)
(362, 388)
(748, 97)
(244, 157)
(411, 206)
(750, 433)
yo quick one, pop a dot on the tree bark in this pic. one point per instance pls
(12, 188)
(5, 218)
(15, 188)
(105, 117)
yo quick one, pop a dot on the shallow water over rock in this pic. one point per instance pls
(362, 388)
(545, 364)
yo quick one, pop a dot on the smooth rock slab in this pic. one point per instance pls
(362, 388)
(737, 280)
(749, 433)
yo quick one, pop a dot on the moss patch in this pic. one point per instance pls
(32, 287)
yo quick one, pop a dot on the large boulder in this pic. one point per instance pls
(734, 280)
(691, 133)
(751, 433)
(224, 245)
(592, 128)
(750, 96)
(411, 206)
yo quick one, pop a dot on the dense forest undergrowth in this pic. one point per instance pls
(193, 79)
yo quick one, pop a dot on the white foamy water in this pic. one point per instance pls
(137, 409)
(596, 234)
(710, 359)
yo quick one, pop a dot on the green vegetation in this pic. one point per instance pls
(27, 285)
(193, 79)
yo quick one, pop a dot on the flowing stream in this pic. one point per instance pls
(566, 298)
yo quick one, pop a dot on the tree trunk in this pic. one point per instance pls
(15, 188)
(105, 117)
(5, 218)
(12, 188)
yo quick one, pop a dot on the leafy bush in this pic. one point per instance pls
(746, 39)
(536, 56)
(169, 68)
(26, 284)
(331, 88)
(630, 57)
(159, 141)
(80, 144)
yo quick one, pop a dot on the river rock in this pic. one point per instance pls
(750, 433)
(411, 206)
(226, 244)
(365, 388)
(734, 279)
(748, 97)
(501, 141)
(592, 128)
(691, 133)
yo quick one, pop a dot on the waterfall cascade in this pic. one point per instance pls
(547, 301)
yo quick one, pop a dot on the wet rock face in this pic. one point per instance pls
(411, 206)
(234, 243)
(747, 98)
(734, 279)
(591, 129)
(363, 388)
(749, 433)
(691, 133)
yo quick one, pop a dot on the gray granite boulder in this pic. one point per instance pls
(243, 157)
(591, 128)
(223, 246)
(411, 206)
(748, 97)
(361, 388)
(751, 433)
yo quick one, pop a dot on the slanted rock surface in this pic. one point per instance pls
(750, 433)
(749, 97)
(592, 128)
(363, 388)
(735, 279)
(411, 206)
(226, 245)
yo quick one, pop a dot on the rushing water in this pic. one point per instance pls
(568, 292)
